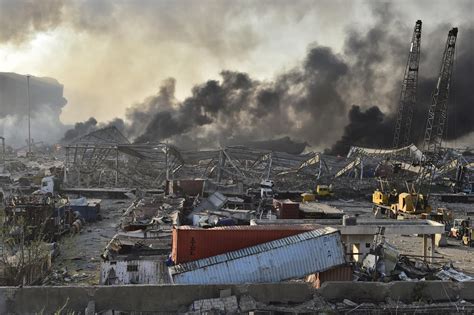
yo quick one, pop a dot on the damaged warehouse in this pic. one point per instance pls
(242, 194)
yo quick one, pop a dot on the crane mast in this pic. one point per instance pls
(437, 116)
(438, 111)
(402, 136)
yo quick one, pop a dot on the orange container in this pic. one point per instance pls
(193, 243)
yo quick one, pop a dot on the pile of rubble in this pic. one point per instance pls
(62, 276)
(233, 304)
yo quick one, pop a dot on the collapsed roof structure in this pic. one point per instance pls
(106, 150)
(106, 158)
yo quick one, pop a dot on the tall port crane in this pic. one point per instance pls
(438, 111)
(437, 116)
(415, 199)
(402, 135)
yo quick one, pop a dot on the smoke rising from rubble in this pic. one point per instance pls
(239, 109)
(80, 128)
(309, 102)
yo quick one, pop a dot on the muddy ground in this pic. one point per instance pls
(79, 259)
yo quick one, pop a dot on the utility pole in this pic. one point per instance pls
(29, 113)
(402, 135)
(3, 149)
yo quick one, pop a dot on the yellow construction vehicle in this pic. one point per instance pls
(324, 191)
(459, 227)
(412, 203)
(384, 198)
(321, 192)
(308, 197)
(383, 195)
(379, 198)
(393, 204)
(467, 237)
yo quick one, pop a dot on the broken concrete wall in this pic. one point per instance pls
(170, 298)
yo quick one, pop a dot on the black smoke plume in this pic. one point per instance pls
(241, 109)
(369, 128)
(311, 102)
(373, 128)
(80, 129)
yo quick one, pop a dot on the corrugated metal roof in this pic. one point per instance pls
(287, 258)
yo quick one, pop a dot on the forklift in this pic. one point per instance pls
(459, 228)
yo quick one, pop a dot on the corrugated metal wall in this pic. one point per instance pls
(287, 258)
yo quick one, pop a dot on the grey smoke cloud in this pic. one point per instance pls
(46, 101)
(308, 100)
(21, 19)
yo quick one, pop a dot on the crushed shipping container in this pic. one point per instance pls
(287, 258)
(193, 243)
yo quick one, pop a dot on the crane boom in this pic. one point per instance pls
(438, 111)
(402, 135)
(437, 116)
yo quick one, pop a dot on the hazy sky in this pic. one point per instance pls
(112, 54)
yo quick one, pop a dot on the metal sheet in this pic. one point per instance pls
(286, 258)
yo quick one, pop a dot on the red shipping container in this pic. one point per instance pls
(286, 209)
(190, 187)
(193, 243)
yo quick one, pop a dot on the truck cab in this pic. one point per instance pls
(266, 189)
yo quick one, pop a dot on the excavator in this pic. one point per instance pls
(412, 202)
(392, 204)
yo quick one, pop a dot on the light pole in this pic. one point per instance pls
(29, 113)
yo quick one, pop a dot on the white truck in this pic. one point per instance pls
(266, 189)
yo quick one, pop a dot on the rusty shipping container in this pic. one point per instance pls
(192, 243)
(286, 209)
(291, 257)
(191, 187)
